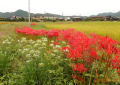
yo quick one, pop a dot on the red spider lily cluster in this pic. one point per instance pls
(84, 49)
(80, 68)
(41, 32)
(32, 24)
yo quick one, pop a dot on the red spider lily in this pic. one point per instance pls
(74, 76)
(79, 42)
(55, 43)
(82, 47)
(93, 54)
(80, 79)
(32, 24)
(30, 31)
(116, 62)
(118, 71)
(53, 33)
(65, 48)
(80, 68)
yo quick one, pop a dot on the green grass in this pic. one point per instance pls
(40, 26)
(111, 29)
(7, 28)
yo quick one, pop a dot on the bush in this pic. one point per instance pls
(39, 62)
(47, 66)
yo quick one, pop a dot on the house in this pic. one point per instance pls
(102, 18)
(67, 18)
(111, 18)
(77, 18)
(50, 17)
(95, 18)
(38, 18)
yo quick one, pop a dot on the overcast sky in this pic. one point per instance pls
(68, 7)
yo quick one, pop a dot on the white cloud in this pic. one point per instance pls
(68, 7)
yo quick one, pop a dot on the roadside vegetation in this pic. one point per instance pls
(60, 53)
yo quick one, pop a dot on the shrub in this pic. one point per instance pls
(45, 63)
(33, 62)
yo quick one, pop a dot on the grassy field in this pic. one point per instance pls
(7, 28)
(111, 29)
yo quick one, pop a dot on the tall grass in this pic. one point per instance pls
(7, 28)
(107, 28)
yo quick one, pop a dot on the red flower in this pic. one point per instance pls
(74, 76)
(55, 43)
(80, 79)
(65, 48)
(80, 68)
(32, 24)
(93, 53)
(118, 71)
(116, 62)
(53, 33)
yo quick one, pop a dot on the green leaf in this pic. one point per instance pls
(88, 75)
(71, 83)
(101, 75)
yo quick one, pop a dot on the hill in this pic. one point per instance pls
(22, 13)
(117, 14)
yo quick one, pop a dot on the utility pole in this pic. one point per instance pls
(29, 12)
(62, 14)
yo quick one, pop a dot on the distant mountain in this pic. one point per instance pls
(117, 14)
(22, 13)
